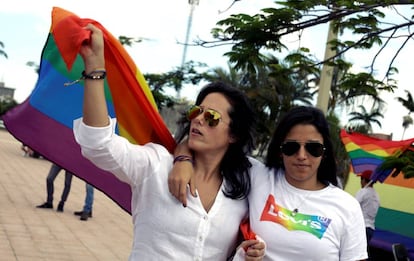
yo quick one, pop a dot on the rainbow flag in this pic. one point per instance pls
(367, 153)
(44, 121)
(395, 218)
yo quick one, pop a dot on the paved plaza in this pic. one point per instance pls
(31, 234)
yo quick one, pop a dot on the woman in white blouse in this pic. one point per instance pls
(220, 132)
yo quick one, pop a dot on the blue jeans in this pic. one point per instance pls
(53, 172)
(370, 234)
(88, 199)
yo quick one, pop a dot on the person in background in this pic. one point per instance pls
(50, 179)
(219, 127)
(295, 204)
(369, 200)
(86, 212)
(28, 152)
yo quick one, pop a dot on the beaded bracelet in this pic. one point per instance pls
(93, 76)
(183, 158)
(98, 74)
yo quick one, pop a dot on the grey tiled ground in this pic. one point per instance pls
(28, 233)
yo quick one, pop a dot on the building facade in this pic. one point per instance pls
(6, 92)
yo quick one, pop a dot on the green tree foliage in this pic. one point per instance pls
(130, 41)
(176, 78)
(272, 89)
(7, 104)
(364, 20)
(275, 85)
(365, 118)
(361, 25)
(407, 103)
(341, 155)
(401, 164)
(189, 73)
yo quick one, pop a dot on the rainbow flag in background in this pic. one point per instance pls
(45, 120)
(395, 218)
(367, 153)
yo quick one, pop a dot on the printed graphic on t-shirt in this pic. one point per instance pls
(315, 225)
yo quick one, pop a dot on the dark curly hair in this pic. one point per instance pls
(304, 115)
(235, 164)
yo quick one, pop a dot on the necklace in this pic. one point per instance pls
(288, 195)
(296, 210)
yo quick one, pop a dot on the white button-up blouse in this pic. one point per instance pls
(163, 228)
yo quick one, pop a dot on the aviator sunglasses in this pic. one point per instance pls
(315, 149)
(212, 117)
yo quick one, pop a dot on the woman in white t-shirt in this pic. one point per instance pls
(294, 204)
(220, 133)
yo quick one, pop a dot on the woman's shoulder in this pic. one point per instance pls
(259, 171)
(257, 165)
(154, 151)
(342, 195)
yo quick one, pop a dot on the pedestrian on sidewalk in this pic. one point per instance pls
(28, 152)
(369, 200)
(86, 212)
(53, 172)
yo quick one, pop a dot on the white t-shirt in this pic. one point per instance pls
(369, 200)
(328, 225)
(163, 228)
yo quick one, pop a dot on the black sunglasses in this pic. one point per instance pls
(315, 149)
(212, 117)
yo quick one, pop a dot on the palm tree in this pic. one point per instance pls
(128, 41)
(2, 52)
(407, 121)
(409, 104)
(231, 76)
(273, 87)
(367, 118)
(34, 65)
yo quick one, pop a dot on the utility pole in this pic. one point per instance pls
(193, 4)
(327, 71)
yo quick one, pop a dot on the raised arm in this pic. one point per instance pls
(95, 112)
(182, 174)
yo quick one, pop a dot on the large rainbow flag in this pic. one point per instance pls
(44, 121)
(395, 219)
